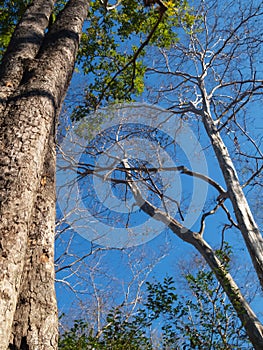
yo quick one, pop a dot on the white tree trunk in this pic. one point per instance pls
(248, 318)
(246, 222)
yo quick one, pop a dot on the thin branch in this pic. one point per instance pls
(252, 177)
(181, 168)
(204, 216)
(249, 137)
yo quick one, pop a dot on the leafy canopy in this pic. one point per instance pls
(10, 13)
(113, 47)
(201, 318)
(113, 43)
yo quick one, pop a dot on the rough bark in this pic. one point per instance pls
(248, 318)
(35, 324)
(28, 116)
(24, 46)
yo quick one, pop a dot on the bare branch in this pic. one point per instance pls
(250, 322)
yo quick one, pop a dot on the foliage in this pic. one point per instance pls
(113, 47)
(113, 44)
(10, 13)
(201, 318)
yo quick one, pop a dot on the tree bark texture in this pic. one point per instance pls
(35, 324)
(39, 67)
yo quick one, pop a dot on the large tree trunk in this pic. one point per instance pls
(35, 324)
(38, 68)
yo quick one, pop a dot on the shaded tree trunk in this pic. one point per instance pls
(35, 74)
(35, 320)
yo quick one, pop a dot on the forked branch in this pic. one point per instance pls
(249, 320)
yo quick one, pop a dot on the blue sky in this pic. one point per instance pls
(165, 247)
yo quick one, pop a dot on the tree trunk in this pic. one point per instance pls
(248, 318)
(245, 219)
(40, 68)
(35, 321)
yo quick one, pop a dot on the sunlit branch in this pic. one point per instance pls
(78, 260)
(181, 168)
(233, 104)
(233, 32)
(112, 7)
(213, 211)
(205, 215)
(249, 138)
(238, 99)
(236, 82)
(188, 77)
